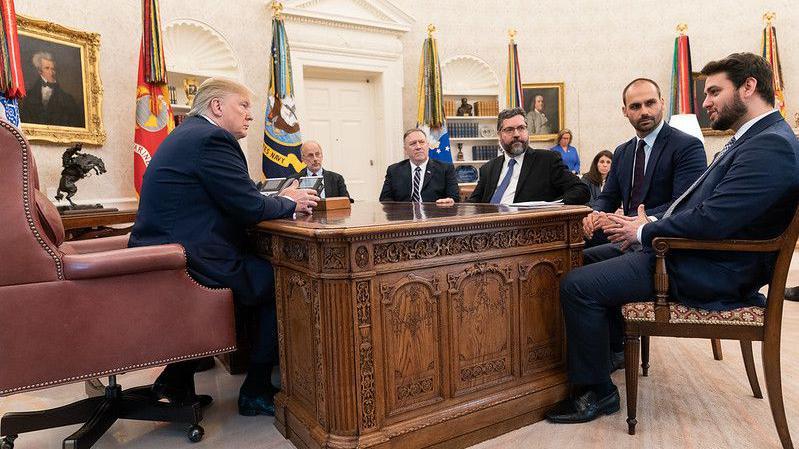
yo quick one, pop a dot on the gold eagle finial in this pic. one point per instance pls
(682, 29)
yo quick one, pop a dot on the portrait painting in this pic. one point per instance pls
(701, 113)
(543, 105)
(60, 68)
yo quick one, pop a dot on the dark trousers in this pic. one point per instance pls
(591, 296)
(264, 350)
(596, 254)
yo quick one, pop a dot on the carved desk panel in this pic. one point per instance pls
(405, 326)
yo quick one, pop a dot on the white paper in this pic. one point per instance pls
(535, 204)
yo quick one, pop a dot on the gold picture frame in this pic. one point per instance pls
(698, 81)
(551, 94)
(77, 91)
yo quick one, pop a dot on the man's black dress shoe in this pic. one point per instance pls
(262, 404)
(792, 294)
(584, 408)
(179, 395)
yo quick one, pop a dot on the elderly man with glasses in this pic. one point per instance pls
(524, 174)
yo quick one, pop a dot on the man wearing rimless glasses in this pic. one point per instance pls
(524, 174)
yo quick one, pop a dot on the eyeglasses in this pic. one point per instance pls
(521, 129)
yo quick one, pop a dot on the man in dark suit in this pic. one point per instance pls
(420, 179)
(524, 174)
(311, 154)
(46, 103)
(197, 192)
(654, 168)
(750, 191)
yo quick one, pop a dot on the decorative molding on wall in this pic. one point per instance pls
(193, 47)
(465, 74)
(371, 15)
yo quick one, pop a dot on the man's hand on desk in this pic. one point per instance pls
(446, 202)
(623, 229)
(305, 198)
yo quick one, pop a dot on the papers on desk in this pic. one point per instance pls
(537, 204)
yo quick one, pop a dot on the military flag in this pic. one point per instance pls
(282, 138)
(154, 119)
(513, 84)
(683, 99)
(431, 117)
(12, 85)
(769, 51)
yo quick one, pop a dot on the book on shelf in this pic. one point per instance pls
(486, 108)
(450, 107)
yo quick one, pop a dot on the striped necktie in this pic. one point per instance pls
(699, 180)
(416, 197)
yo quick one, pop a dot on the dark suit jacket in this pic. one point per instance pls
(543, 177)
(750, 193)
(675, 162)
(334, 182)
(439, 182)
(61, 110)
(197, 192)
(594, 189)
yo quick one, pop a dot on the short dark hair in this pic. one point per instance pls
(741, 66)
(509, 113)
(627, 87)
(408, 132)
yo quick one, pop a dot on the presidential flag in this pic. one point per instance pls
(431, 117)
(12, 85)
(154, 119)
(282, 138)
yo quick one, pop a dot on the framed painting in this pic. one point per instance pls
(64, 93)
(543, 103)
(701, 114)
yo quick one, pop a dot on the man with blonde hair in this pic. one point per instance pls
(197, 192)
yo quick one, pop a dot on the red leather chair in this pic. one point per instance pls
(81, 310)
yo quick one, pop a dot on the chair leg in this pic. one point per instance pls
(715, 343)
(631, 348)
(749, 364)
(771, 371)
(645, 355)
(14, 423)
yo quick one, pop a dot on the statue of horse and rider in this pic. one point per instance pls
(77, 165)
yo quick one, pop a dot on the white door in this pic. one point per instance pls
(340, 116)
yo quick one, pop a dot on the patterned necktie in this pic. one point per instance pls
(417, 182)
(497, 197)
(696, 183)
(636, 195)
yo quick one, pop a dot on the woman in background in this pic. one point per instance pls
(596, 176)
(567, 152)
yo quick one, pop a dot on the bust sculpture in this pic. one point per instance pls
(465, 108)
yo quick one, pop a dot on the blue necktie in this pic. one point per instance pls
(497, 197)
(696, 183)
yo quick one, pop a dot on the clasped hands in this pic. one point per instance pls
(305, 199)
(618, 227)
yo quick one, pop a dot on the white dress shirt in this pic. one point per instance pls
(47, 92)
(318, 174)
(510, 192)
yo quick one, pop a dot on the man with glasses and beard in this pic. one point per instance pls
(750, 191)
(524, 174)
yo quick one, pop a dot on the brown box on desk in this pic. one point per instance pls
(337, 202)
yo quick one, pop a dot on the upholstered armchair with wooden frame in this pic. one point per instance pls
(80, 310)
(664, 318)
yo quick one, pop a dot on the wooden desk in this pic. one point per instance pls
(407, 327)
(95, 224)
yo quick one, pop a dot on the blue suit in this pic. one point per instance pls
(197, 192)
(675, 161)
(750, 193)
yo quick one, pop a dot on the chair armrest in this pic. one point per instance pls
(662, 245)
(97, 245)
(124, 261)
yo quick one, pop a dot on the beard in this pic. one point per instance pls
(645, 128)
(729, 114)
(515, 148)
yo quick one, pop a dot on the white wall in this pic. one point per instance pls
(594, 47)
